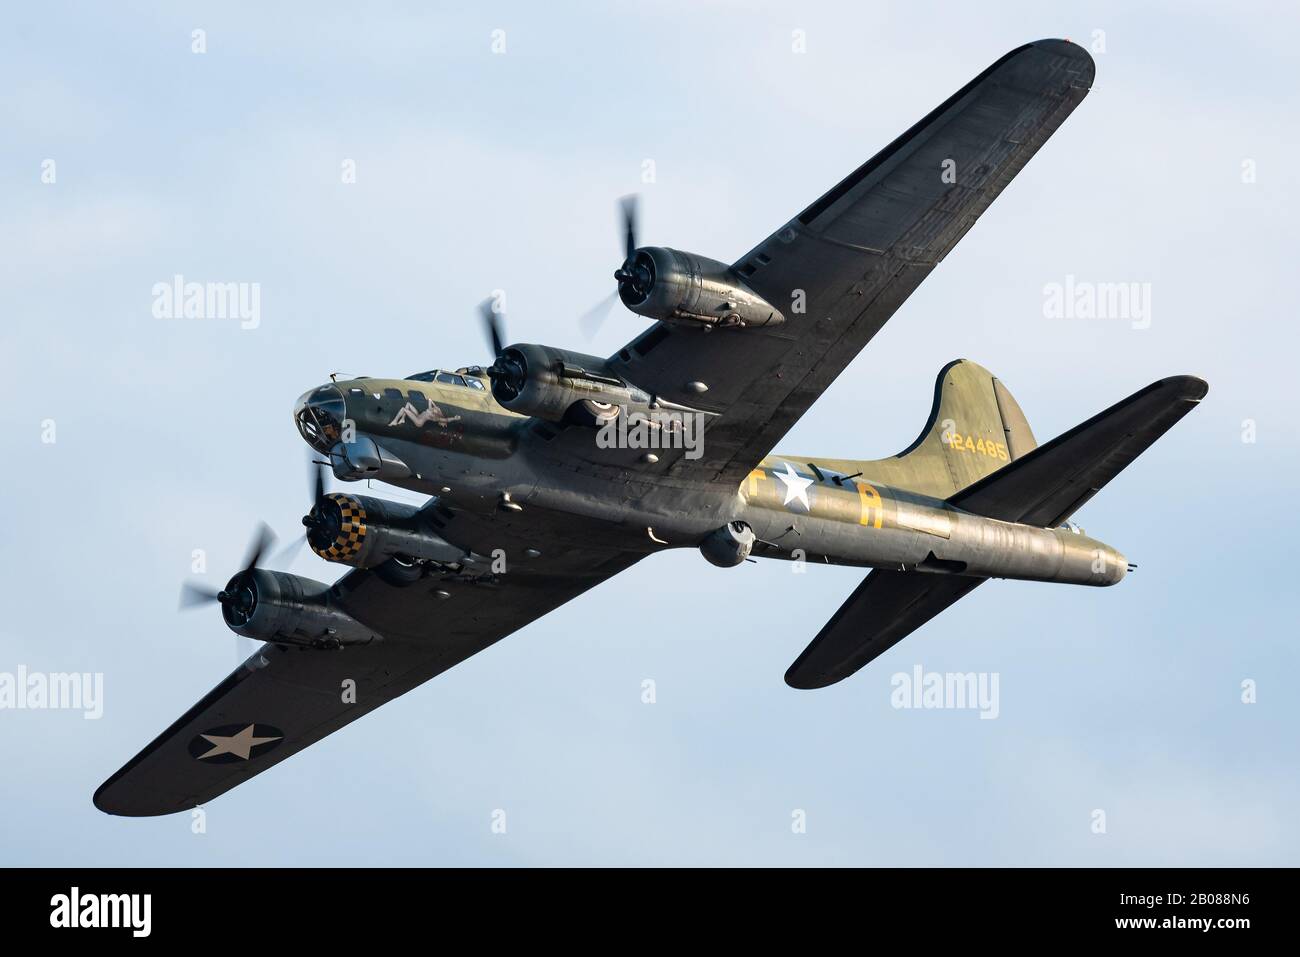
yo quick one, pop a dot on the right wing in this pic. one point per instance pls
(886, 608)
(283, 699)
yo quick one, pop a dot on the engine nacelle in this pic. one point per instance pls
(289, 609)
(562, 386)
(673, 286)
(364, 532)
(729, 545)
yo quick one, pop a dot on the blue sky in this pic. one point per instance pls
(478, 171)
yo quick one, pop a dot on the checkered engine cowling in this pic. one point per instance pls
(350, 537)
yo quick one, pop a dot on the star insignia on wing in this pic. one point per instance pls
(240, 744)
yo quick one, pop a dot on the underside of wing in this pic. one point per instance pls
(844, 265)
(283, 699)
(886, 608)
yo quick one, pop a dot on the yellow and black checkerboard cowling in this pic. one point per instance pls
(352, 530)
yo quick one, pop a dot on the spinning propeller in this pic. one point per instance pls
(238, 598)
(322, 521)
(507, 373)
(633, 276)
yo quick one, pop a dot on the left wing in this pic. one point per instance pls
(283, 699)
(855, 255)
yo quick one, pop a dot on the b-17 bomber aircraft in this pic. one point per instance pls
(550, 471)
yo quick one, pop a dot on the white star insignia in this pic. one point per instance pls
(240, 745)
(796, 486)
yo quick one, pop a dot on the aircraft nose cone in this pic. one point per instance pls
(319, 415)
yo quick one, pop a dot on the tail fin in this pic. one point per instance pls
(975, 428)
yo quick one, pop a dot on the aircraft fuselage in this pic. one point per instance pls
(455, 443)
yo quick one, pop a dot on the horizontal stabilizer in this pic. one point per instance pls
(1042, 487)
(886, 608)
(1047, 485)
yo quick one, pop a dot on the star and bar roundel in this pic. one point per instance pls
(234, 742)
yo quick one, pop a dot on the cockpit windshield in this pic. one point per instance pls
(466, 378)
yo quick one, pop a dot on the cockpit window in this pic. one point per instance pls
(448, 378)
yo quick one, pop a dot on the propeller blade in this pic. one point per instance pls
(318, 480)
(591, 320)
(290, 552)
(261, 542)
(629, 207)
(492, 322)
(193, 595)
